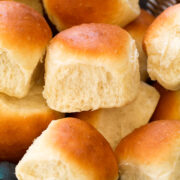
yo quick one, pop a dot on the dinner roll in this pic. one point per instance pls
(70, 149)
(162, 43)
(91, 66)
(36, 4)
(24, 35)
(168, 106)
(116, 123)
(151, 152)
(66, 14)
(22, 120)
(137, 30)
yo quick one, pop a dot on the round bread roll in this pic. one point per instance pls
(35, 4)
(116, 123)
(66, 14)
(24, 35)
(168, 106)
(92, 66)
(151, 152)
(137, 30)
(22, 120)
(162, 43)
(69, 149)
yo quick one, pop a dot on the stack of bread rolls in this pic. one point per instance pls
(24, 114)
(116, 123)
(94, 69)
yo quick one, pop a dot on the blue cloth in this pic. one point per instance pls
(7, 171)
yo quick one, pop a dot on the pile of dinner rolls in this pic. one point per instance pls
(77, 97)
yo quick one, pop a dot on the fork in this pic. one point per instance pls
(157, 6)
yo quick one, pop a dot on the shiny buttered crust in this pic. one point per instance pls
(151, 152)
(162, 44)
(137, 30)
(24, 35)
(69, 149)
(168, 106)
(66, 14)
(21, 121)
(116, 123)
(91, 66)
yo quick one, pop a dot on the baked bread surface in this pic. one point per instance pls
(24, 35)
(115, 123)
(69, 149)
(65, 14)
(91, 66)
(162, 44)
(151, 152)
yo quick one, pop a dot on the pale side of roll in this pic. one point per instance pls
(116, 123)
(24, 36)
(137, 29)
(91, 66)
(70, 149)
(151, 152)
(162, 44)
(66, 14)
(21, 121)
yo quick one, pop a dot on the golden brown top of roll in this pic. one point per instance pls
(168, 106)
(103, 54)
(151, 152)
(99, 10)
(87, 145)
(165, 19)
(95, 40)
(66, 14)
(77, 150)
(152, 143)
(138, 27)
(162, 44)
(23, 32)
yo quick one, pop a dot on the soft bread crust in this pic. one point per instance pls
(162, 44)
(92, 66)
(137, 29)
(22, 29)
(151, 152)
(24, 35)
(79, 150)
(66, 14)
(35, 4)
(116, 123)
(22, 120)
(168, 106)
